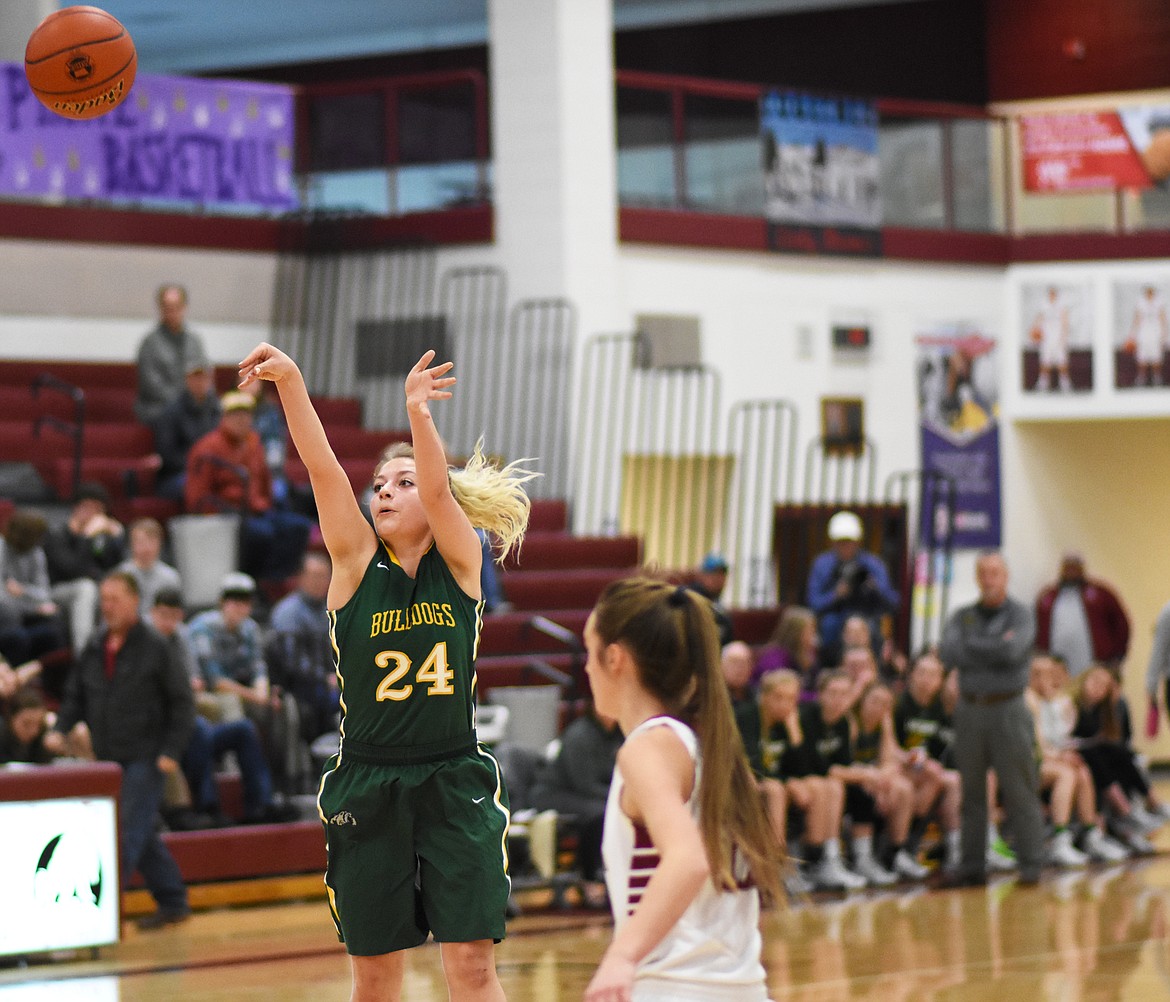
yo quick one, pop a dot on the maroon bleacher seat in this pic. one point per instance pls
(82, 374)
(338, 411)
(568, 588)
(546, 550)
(511, 632)
(246, 851)
(506, 670)
(549, 514)
(755, 626)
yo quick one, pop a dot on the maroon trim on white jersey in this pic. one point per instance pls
(643, 862)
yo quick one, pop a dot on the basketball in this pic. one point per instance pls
(80, 62)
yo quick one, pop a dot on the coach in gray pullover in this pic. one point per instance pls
(990, 643)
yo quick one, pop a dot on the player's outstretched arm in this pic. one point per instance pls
(347, 534)
(454, 535)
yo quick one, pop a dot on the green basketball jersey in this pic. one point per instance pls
(405, 652)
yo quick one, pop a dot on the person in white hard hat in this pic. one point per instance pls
(845, 581)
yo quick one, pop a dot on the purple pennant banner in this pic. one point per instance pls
(173, 140)
(958, 395)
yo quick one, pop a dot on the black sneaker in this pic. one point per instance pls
(163, 917)
(949, 879)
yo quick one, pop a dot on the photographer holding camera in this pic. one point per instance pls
(847, 581)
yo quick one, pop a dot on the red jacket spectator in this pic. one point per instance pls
(226, 468)
(1105, 615)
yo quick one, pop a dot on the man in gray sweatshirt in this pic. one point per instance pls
(990, 643)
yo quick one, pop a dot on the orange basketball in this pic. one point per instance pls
(80, 62)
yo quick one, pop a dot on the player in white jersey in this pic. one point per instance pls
(686, 859)
(1149, 335)
(1050, 330)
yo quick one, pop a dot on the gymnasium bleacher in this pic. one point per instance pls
(47, 407)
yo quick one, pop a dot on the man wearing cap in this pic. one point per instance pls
(709, 581)
(1081, 619)
(165, 355)
(185, 420)
(847, 581)
(227, 472)
(228, 646)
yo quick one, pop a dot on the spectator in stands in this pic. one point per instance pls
(1103, 734)
(80, 552)
(30, 621)
(299, 651)
(794, 644)
(146, 563)
(847, 580)
(990, 643)
(921, 718)
(1064, 775)
(891, 662)
(879, 785)
(228, 645)
(227, 471)
(195, 412)
(1081, 619)
(136, 700)
(709, 580)
(212, 739)
(860, 666)
(739, 664)
(575, 781)
(14, 679)
(165, 355)
(922, 730)
(23, 728)
(779, 753)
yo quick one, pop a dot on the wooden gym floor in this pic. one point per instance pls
(1098, 934)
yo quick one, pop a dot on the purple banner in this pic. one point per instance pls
(173, 140)
(958, 391)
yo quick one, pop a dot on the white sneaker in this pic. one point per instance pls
(1102, 848)
(1062, 852)
(796, 884)
(1138, 844)
(833, 875)
(1147, 821)
(1158, 811)
(874, 873)
(908, 868)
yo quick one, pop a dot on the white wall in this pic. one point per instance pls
(95, 301)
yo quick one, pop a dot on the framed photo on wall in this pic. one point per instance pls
(1141, 332)
(843, 424)
(1057, 355)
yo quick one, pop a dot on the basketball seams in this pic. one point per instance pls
(97, 84)
(72, 48)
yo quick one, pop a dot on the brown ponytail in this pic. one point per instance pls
(672, 636)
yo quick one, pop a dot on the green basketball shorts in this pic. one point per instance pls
(415, 849)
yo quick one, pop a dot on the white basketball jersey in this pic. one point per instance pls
(713, 951)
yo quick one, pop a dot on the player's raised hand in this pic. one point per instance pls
(266, 362)
(424, 384)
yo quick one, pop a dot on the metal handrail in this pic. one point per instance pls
(47, 381)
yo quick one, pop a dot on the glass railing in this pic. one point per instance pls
(695, 144)
(395, 146)
(411, 144)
